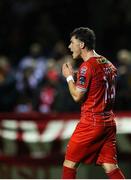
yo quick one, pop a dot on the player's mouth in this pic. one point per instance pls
(71, 52)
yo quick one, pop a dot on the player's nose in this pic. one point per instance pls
(69, 46)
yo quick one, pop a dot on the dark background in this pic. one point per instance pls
(25, 21)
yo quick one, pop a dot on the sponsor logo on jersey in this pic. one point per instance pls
(82, 80)
(83, 70)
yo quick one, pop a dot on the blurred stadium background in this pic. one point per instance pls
(37, 114)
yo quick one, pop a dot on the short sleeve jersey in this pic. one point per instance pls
(96, 77)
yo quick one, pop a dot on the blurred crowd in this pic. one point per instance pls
(123, 94)
(36, 83)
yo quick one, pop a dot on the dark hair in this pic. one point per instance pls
(85, 35)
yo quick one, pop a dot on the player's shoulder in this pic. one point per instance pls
(87, 65)
(103, 60)
(108, 64)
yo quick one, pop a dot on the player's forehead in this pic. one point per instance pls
(74, 39)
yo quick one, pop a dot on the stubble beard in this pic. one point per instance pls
(76, 57)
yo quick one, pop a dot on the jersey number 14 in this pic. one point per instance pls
(109, 89)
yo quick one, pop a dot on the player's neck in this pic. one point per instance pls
(86, 55)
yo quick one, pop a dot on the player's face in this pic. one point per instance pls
(75, 47)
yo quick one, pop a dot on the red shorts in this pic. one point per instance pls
(92, 144)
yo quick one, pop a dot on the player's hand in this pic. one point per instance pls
(67, 70)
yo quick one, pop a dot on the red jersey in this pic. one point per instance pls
(97, 78)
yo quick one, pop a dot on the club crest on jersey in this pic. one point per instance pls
(82, 80)
(83, 70)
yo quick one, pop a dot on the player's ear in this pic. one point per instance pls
(82, 45)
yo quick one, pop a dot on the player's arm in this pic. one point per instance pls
(76, 94)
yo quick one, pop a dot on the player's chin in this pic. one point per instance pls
(75, 56)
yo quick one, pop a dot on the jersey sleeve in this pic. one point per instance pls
(83, 77)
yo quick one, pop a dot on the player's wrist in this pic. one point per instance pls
(70, 78)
